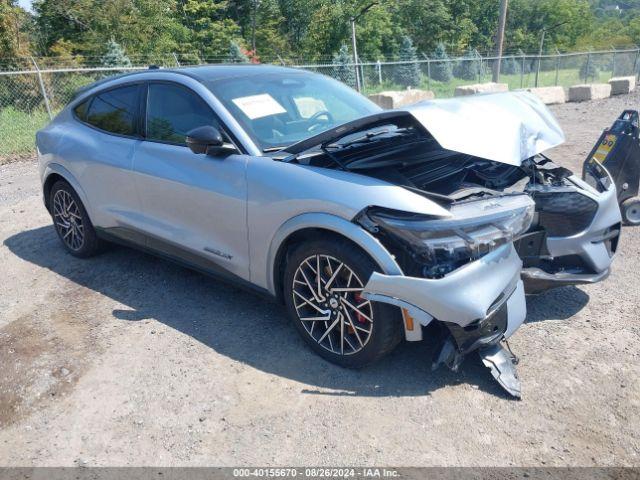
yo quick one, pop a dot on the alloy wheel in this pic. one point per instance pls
(68, 221)
(327, 298)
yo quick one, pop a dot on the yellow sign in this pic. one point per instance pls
(604, 148)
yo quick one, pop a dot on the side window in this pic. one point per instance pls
(115, 110)
(81, 110)
(173, 111)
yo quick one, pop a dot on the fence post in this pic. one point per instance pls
(586, 71)
(42, 89)
(635, 64)
(557, 65)
(522, 70)
(613, 64)
(379, 71)
(477, 54)
(538, 69)
(428, 71)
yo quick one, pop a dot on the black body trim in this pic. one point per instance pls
(166, 250)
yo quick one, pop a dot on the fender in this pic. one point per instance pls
(336, 224)
(52, 167)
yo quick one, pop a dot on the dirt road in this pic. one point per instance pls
(125, 359)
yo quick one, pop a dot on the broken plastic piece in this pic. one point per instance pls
(447, 355)
(503, 369)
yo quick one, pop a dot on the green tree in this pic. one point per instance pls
(426, 23)
(527, 18)
(468, 68)
(407, 73)
(210, 28)
(115, 55)
(236, 54)
(589, 70)
(343, 69)
(510, 65)
(441, 71)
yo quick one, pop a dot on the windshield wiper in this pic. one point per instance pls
(369, 137)
(363, 139)
(275, 149)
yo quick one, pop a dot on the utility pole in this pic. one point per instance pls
(354, 47)
(500, 40)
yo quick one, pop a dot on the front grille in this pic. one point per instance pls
(563, 214)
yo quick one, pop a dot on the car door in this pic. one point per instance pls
(109, 134)
(193, 205)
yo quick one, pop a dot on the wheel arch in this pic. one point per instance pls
(308, 226)
(54, 172)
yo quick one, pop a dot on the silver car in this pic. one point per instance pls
(367, 225)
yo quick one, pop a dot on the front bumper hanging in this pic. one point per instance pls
(480, 304)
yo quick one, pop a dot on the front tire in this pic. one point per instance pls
(72, 224)
(328, 310)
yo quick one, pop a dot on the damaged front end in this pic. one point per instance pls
(481, 158)
(462, 271)
(575, 232)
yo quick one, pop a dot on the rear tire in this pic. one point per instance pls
(72, 224)
(359, 332)
(630, 210)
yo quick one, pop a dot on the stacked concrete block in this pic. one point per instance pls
(549, 95)
(480, 88)
(396, 99)
(620, 85)
(595, 91)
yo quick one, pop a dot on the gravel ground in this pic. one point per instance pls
(125, 359)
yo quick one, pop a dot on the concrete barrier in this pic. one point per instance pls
(400, 98)
(549, 95)
(480, 88)
(620, 85)
(595, 91)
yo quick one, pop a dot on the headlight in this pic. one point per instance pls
(475, 229)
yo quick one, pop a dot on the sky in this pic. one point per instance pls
(25, 4)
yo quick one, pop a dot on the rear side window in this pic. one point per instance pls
(114, 111)
(173, 111)
(81, 110)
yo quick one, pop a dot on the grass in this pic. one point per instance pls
(17, 131)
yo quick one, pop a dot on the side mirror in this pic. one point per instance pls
(201, 139)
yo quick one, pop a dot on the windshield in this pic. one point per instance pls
(279, 109)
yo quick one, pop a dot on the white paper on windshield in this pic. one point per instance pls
(258, 106)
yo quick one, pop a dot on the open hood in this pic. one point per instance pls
(503, 127)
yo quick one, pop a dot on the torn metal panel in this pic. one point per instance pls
(504, 127)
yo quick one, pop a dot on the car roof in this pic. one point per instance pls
(201, 73)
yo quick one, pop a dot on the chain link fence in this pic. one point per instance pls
(33, 91)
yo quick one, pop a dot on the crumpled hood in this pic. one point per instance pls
(504, 127)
